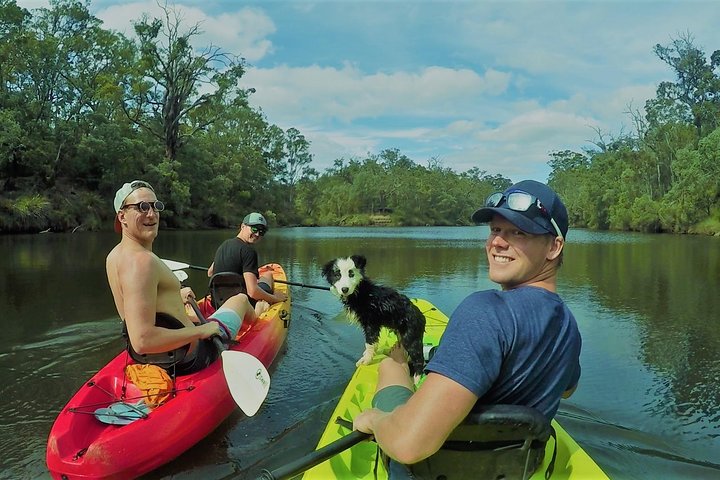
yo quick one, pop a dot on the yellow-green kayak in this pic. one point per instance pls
(359, 461)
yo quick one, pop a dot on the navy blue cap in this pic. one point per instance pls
(531, 221)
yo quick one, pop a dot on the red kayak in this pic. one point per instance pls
(85, 443)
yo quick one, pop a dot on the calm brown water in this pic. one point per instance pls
(648, 405)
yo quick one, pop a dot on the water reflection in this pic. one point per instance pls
(668, 283)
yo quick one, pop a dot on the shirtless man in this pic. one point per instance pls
(146, 291)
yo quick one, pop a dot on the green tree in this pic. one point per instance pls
(697, 188)
(164, 96)
(696, 94)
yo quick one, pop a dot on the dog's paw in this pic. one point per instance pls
(364, 360)
(367, 355)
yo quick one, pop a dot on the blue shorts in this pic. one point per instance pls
(229, 319)
(386, 399)
(267, 288)
(264, 287)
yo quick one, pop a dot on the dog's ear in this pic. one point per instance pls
(360, 261)
(327, 269)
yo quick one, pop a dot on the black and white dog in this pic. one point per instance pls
(374, 306)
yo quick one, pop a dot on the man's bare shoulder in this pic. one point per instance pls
(126, 259)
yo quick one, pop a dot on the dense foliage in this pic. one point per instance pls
(84, 109)
(665, 177)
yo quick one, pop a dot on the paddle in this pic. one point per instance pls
(314, 458)
(247, 378)
(173, 265)
(303, 285)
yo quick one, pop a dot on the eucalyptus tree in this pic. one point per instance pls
(233, 175)
(695, 96)
(289, 159)
(64, 64)
(695, 195)
(177, 91)
(13, 23)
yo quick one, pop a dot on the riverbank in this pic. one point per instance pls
(68, 210)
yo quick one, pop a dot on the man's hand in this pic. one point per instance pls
(280, 297)
(186, 294)
(365, 420)
(209, 329)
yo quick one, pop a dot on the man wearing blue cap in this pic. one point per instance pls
(519, 345)
(238, 255)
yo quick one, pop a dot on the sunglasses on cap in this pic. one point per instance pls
(140, 184)
(260, 231)
(145, 207)
(521, 202)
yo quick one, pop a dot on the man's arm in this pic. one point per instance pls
(574, 382)
(139, 279)
(418, 428)
(257, 293)
(569, 391)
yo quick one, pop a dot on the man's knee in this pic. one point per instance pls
(385, 364)
(390, 365)
(239, 302)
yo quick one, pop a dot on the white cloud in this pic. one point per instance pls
(240, 32)
(346, 94)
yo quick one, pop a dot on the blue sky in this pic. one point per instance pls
(493, 85)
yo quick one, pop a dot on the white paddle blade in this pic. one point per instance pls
(181, 275)
(247, 379)
(173, 265)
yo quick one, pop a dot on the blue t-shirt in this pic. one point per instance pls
(518, 347)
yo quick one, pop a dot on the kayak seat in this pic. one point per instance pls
(224, 285)
(496, 442)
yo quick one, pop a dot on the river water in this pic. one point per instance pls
(648, 404)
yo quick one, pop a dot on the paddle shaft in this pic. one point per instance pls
(303, 285)
(180, 265)
(196, 308)
(318, 456)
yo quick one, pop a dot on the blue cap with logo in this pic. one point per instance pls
(539, 216)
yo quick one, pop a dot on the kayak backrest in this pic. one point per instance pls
(494, 441)
(224, 285)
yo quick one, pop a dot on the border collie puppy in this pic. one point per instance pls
(374, 306)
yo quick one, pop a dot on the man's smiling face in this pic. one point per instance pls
(143, 225)
(515, 257)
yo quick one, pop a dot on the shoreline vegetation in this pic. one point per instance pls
(84, 109)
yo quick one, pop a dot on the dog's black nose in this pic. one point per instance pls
(345, 289)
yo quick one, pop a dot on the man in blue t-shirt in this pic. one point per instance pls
(519, 345)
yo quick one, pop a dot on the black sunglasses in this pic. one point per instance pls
(144, 207)
(258, 230)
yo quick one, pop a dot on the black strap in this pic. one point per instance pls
(166, 360)
(551, 465)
